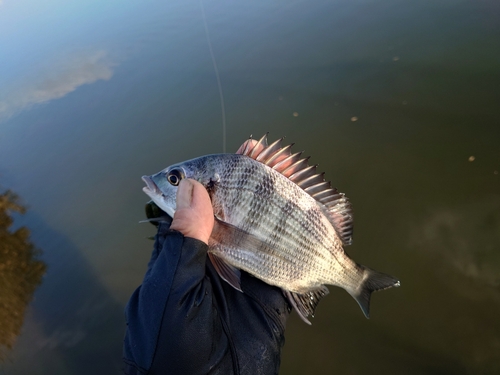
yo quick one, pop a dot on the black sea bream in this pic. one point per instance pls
(277, 219)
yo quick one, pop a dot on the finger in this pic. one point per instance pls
(194, 215)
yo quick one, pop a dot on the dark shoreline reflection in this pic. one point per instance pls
(21, 272)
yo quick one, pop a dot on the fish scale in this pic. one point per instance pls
(262, 228)
(255, 202)
(277, 219)
(291, 237)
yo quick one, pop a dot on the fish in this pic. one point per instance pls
(277, 219)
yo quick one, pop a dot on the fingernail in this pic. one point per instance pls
(184, 194)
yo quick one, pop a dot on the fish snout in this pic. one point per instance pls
(151, 187)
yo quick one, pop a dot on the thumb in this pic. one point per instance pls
(184, 194)
(194, 216)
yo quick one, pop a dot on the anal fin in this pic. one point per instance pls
(305, 304)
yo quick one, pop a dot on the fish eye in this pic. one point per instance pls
(175, 176)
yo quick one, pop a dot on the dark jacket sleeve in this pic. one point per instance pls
(179, 321)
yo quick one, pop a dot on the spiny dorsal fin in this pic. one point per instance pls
(336, 205)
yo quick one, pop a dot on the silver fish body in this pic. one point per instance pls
(277, 220)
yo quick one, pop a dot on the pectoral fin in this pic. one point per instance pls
(225, 235)
(228, 235)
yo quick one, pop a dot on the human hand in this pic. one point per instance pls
(194, 216)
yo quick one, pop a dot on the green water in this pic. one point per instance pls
(94, 95)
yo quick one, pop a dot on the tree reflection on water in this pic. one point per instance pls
(21, 272)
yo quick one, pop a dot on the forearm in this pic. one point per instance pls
(172, 321)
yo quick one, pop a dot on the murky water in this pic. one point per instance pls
(396, 100)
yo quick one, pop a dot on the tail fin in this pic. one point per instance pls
(372, 281)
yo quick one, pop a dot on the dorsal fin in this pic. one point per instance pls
(279, 156)
(335, 205)
(293, 168)
(270, 150)
(260, 146)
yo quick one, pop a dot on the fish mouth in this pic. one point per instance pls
(151, 188)
(154, 192)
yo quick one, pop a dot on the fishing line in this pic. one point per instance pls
(218, 78)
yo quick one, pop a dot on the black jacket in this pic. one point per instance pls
(184, 319)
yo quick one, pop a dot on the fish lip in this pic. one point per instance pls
(151, 187)
(155, 193)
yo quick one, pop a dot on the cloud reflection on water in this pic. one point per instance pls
(55, 81)
(467, 238)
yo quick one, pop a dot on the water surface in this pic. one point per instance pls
(396, 100)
